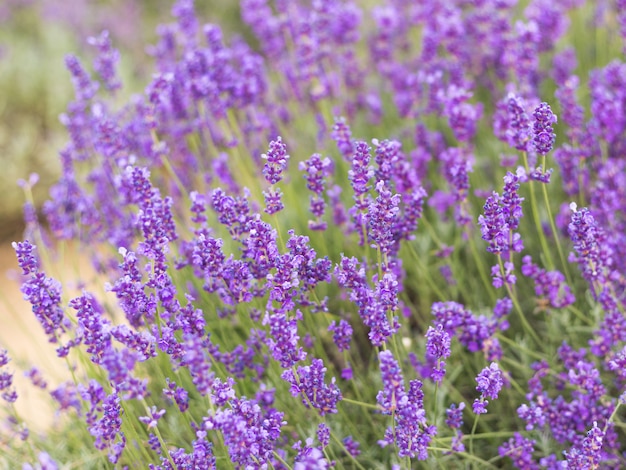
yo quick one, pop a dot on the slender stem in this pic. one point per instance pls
(537, 219)
(364, 405)
(429, 279)
(513, 298)
(555, 234)
(512, 343)
(343, 447)
(471, 446)
(482, 268)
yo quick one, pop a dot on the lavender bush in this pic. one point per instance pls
(376, 237)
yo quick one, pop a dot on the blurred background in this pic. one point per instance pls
(35, 88)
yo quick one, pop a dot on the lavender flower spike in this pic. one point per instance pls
(411, 433)
(543, 135)
(518, 133)
(438, 347)
(490, 382)
(276, 159)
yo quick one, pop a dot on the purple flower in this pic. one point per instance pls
(261, 248)
(273, 200)
(490, 382)
(26, 259)
(152, 418)
(457, 166)
(388, 155)
(6, 379)
(533, 415)
(550, 284)
(197, 361)
(198, 207)
(606, 89)
(617, 364)
(349, 274)
(361, 172)
(138, 306)
(207, 258)
(383, 214)
(283, 338)
(303, 260)
(250, 433)
(155, 218)
(456, 444)
(589, 453)
(517, 124)
(178, 394)
(413, 203)
(454, 415)
(591, 253)
(311, 458)
(233, 212)
(323, 434)
(511, 202)
(522, 55)
(493, 225)
(44, 295)
(201, 457)
(342, 334)
(35, 376)
(276, 161)
(543, 135)
(183, 10)
(308, 381)
(375, 307)
(393, 383)
(411, 432)
(500, 278)
(520, 450)
(106, 61)
(474, 332)
(568, 414)
(107, 430)
(93, 328)
(463, 117)
(501, 218)
(438, 347)
(44, 462)
(503, 307)
(572, 113)
(316, 170)
(339, 212)
(351, 446)
(343, 137)
(540, 174)
(84, 86)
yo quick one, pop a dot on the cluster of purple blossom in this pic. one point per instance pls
(252, 329)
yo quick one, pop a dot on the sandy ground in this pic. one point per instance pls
(22, 336)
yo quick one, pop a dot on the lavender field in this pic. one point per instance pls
(333, 234)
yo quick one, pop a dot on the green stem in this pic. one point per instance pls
(471, 446)
(482, 268)
(343, 447)
(537, 219)
(364, 405)
(512, 343)
(513, 298)
(555, 234)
